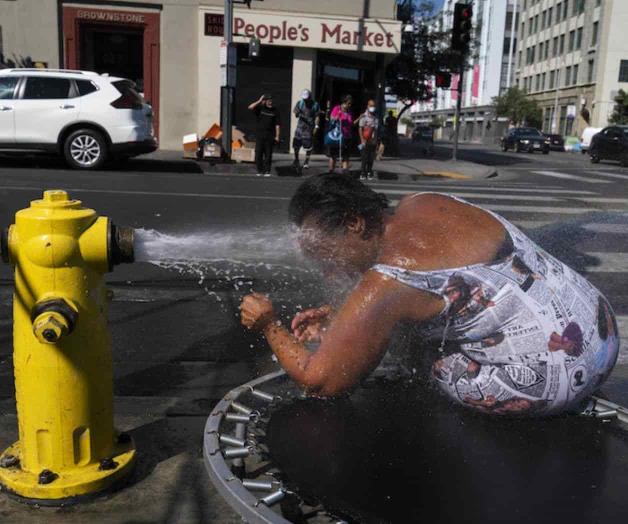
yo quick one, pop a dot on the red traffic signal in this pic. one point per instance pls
(462, 28)
(443, 80)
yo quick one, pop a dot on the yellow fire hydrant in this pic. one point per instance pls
(67, 447)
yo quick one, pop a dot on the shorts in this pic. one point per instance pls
(304, 142)
(335, 151)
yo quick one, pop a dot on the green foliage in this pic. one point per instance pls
(620, 111)
(425, 51)
(520, 109)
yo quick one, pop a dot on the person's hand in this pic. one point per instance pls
(261, 99)
(316, 128)
(277, 140)
(256, 312)
(309, 325)
(361, 147)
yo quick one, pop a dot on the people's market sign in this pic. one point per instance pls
(381, 36)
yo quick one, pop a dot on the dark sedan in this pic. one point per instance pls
(610, 144)
(557, 142)
(525, 139)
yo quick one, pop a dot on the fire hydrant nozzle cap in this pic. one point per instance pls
(52, 320)
(121, 245)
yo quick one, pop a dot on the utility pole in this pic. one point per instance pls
(227, 80)
(460, 41)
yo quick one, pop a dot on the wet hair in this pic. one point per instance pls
(336, 199)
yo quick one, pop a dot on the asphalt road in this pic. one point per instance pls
(177, 344)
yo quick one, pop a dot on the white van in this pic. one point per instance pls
(587, 135)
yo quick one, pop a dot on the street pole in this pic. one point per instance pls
(228, 81)
(555, 119)
(458, 111)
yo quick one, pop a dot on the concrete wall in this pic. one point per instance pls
(28, 28)
(613, 48)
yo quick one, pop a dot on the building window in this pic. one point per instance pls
(623, 71)
(572, 40)
(562, 44)
(543, 78)
(543, 19)
(598, 3)
(541, 48)
(555, 47)
(579, 38)
(523, 29)
(591, 69)
(565, 9)
(552, 80)
(558, 7)
(575, 74)
(530, 26)
(547, 45)
(579, 6)
(567, 76)
(536, 24)
(550, 12)
(594, 34)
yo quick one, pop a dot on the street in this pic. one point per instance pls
(177, 344)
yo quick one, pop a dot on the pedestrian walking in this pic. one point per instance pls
(339, 149)
(368, 124)
(267, 133)
(307, 112)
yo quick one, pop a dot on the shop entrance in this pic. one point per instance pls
(271, 72)
(116, 51)
(119, 43)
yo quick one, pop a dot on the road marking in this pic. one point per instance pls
(604, 200)
(419, 188)
(608, 262)
(152, 193)
(610, 229)
(558, 174)
(610, 175)
(479, 195)
(622, 326)
(554, 210)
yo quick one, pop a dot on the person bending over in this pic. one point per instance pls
(503, 343)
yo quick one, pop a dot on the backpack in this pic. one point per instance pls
(333, 137)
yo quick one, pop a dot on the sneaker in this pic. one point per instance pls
(306, 165)
(362, 177)
(370, 176)
(267, 174)
(259, 174)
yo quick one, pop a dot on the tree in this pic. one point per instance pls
(425, 51)
(519, 109)
(620, 111)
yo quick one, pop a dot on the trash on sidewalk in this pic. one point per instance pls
(190, 146)
(210, 146)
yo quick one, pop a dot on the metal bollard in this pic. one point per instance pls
(62, 354)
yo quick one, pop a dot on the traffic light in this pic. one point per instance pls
(443, 80)
(461, 33)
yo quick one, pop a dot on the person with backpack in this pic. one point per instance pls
(368, 124)
(307, 112)
(338, 138)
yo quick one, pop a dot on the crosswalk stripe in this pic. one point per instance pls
(607, 262)
(558, 174)
(479, 195)
(622, 326)
(609, 175)
(554, 210)
(612, 229)
(446, 189)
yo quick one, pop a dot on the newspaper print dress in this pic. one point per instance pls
(524, 335)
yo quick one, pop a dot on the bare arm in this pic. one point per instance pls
(256, 103)
(357, 337)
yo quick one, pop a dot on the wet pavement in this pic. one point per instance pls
(177, 349)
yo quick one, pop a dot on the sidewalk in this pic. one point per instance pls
(408, 167)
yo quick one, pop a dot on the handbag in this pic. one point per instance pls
(333, 137)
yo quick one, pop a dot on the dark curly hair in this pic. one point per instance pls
(336, 199)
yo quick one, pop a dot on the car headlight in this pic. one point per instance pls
(547, 142)
(524, 141)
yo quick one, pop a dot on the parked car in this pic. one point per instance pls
(525, 139)
(587, 136)
(557, 142)
(85, 117)
(610, 144)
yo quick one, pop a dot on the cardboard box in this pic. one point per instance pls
(190, 146)
(214, 132)
(212, 150)
(243, 154)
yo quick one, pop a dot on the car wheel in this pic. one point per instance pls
(595, 158)
(85, 149)
(504, 148)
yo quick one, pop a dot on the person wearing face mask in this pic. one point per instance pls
(267, 133)
(369, 131)
(341, 115)
(307, 112)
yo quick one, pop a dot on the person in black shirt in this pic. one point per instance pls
(266, 134)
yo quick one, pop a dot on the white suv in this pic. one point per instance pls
(86, 117)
